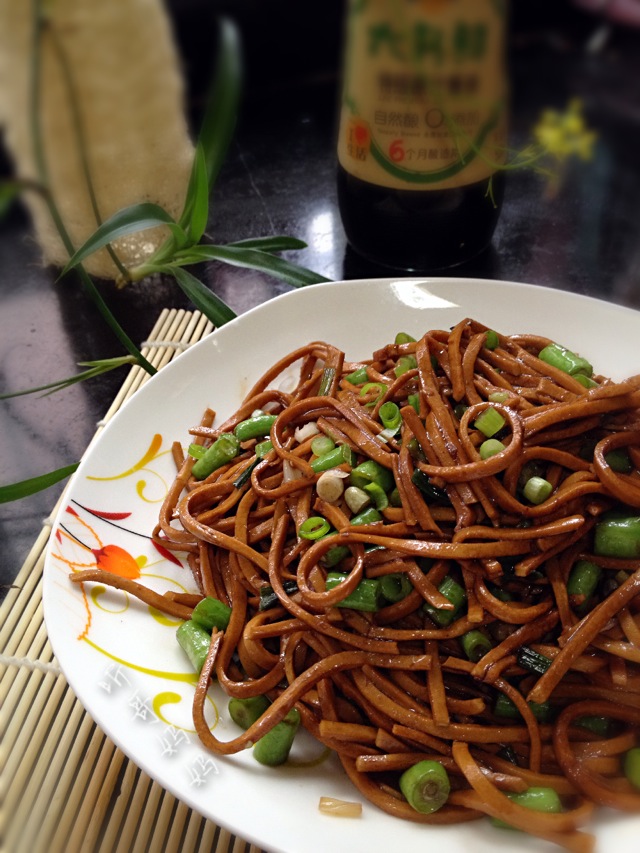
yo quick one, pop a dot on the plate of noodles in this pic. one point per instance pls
(398, 518)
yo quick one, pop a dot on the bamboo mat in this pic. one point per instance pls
(64, 786)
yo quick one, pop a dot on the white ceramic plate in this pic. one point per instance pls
(123, 661)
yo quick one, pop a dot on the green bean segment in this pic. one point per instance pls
(338, 456)
(631, 765)
(254, 427)
(211, 613)
(223, 450)
(426, 786)
(537, 799)
(618, 537)
(452, 590)
(194, 642)
(246, 712)
(273, 748)
(367, 596)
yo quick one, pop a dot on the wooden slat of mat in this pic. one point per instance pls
(64, 786)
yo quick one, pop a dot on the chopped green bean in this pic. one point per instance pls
(582, 582)
(505, 707)
(404, 338)
(619, 461)
(537, 799)
(273, 748)
(395, 587)
(585, 381)
(245, 712)
(601, 726)
(369, 515)
(491, 339)
(617, 537)
(367, 596)
(425, 786)
(263, 447)
(338, 456)
(255, 427)
(631, 765)
(335, 555)
(211, 613)
(194, 642)
(371, 471)
(222, 451)
(378, 495)
(452, 590)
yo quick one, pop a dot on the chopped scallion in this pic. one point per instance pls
(314, 527)
(565, 360)
(536, 490)
(490, 448)
(489, 422)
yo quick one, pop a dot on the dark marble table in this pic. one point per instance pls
(279, 178)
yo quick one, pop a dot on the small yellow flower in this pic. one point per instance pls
(564, 134)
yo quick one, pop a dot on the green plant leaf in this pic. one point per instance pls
(270, 244)
(15, 491)
(204, 299)
(196, 207)
(136, 217)
(96, 368)
(251, 259)
(218, 123)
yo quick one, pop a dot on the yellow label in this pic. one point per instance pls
(424, 92)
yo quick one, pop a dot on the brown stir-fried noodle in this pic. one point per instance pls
(386, 689)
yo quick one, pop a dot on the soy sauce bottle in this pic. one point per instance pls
(422, 130)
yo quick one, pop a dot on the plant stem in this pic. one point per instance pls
(40, 24)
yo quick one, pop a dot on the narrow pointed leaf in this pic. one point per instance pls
(196, 207)
(15, 491)
(137, 217)
(251, 259)
(270, 244)
(96, 368)
(219, 120)
(204, 299)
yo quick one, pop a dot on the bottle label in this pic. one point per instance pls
(424, 92)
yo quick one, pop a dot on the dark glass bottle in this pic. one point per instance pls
(422, 130)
